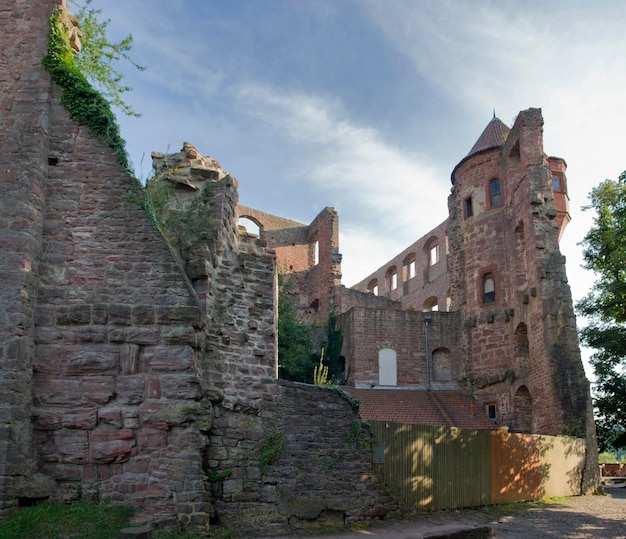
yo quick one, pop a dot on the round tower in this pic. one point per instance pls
(521, 354)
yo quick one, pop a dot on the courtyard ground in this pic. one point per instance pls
(580, 517)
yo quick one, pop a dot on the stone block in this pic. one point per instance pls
(111, 445)
(129, 358)
(80, 418)
(136, 335)
(130, 389)
(150, 439)
(110, 416)
(56, 391)
(99, 359)
(98, 389)
(158, 359)
(180, 387)
(72, 446)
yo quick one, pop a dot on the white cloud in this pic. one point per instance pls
(386, 199)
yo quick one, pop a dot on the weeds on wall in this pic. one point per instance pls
(270, 449)
(184, 225)
(85, 105)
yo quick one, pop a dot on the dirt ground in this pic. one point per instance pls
(570, 518)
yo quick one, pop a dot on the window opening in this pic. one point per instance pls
(557, 184)
(392, 278)
(492, 411)
(495, 193)
(468, 209)
(316, 254)
(372, 287)
(433, 255)
(489, 288)
(412, 269)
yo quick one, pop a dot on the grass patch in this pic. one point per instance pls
(80, 520)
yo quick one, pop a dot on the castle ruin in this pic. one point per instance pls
(129, 374)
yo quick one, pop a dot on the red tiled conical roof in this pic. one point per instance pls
(493, 136)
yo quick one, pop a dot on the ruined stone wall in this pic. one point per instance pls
(24, 140)
(307, 254)
(366, 331)
(322, 476)
(118, 383)
(422, 276)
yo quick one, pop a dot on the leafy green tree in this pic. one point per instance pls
(604, 252)
(99, 56)
(294, 338)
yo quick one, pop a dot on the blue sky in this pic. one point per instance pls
(367, 105)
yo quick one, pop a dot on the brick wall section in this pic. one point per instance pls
(24, 130)
(366, 331)
(430, 282)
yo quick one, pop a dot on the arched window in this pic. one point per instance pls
(431, 304)
(521, 340)
(392, 278)
(387, 367)
(248, 226)
(409, 268)
(495, 193)
(442, 365)
(372, 287)
(489, 288)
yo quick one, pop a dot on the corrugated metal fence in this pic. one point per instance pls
(444, 468)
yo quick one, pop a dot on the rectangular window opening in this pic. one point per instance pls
(468, 209)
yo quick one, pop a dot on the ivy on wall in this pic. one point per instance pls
(85, 105)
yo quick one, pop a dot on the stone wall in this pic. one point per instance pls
(24, 148)
(322, 475)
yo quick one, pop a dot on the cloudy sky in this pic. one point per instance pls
(367, 105)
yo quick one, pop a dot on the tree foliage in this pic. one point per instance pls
(295, 360)
(85, 105)
(604, 252)
(99, 56)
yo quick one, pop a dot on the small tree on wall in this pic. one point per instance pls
(295, 361)
(297, 358)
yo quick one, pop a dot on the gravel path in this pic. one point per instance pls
(580, 517)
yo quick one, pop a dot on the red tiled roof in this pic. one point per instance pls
(493, 136)
(417, 406)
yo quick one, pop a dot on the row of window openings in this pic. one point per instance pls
(495, 194)
(411, 271)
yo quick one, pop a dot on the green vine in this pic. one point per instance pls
(85, 105)
(270, 449)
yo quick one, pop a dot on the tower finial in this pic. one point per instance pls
(494, 113)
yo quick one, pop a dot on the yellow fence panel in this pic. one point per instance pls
(444, 468)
